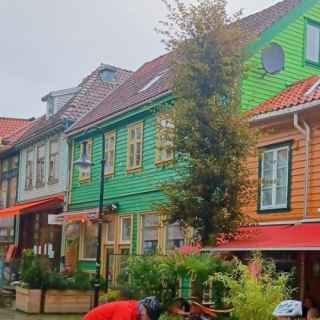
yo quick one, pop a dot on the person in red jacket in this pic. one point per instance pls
(146, 309)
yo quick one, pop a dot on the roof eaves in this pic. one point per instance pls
(285, 111)
(69, 133)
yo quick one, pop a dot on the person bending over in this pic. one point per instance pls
(146, 309)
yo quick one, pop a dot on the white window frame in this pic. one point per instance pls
(110, 154)
(28, 183)
(53, 156)
(87, 177)
(275, 152)
(311, 24)
(39, 164)
(156, 227)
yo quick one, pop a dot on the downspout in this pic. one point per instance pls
(306, 132)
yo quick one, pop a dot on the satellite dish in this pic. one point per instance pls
(273, 59)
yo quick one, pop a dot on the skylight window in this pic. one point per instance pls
(154, 80)
(108, 75)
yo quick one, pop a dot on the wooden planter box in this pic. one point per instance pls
(67, 301)
(28, 300)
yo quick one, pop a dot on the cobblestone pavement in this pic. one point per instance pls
(9, 314)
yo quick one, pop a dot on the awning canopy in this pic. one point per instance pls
(29, 207)
(289, 237)
(75, 216)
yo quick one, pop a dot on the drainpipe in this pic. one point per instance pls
(306, 132)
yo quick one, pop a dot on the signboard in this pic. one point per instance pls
(54, 219)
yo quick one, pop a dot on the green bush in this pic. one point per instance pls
(31, 271)
(111, 296)
(160, 275)
(254, 297)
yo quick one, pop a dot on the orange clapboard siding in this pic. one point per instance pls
(273, 132)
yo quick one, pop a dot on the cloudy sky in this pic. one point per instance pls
(47, 45)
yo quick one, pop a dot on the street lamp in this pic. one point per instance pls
(84, 163)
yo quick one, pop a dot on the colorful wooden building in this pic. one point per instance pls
(285, 210)
(43, 157)
(129, 118)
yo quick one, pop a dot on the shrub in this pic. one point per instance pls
(254, 295)
(160, 275)
(111, 296)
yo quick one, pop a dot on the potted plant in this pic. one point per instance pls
(67, 293)
(29, 292)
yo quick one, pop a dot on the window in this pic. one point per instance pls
(135, 136)
(111, 231)
(175, 236)
(40, 166)
(164, 139)
(150, 233)
(312, 46)
(12, 189)
(274, 175)
(89, 241)
(7, 229)
(85, 148)
(53, 161)
(125, 231)
(4, 194)
(110, 153)
(29, 170)
(107, 75)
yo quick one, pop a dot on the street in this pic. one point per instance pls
(10, 314)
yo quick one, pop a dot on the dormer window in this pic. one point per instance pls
(50, 107)
(108, 75)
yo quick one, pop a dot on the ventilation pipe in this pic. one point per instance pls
(306, 132)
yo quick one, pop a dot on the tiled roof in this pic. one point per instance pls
(135, 90)
(256, 23)
(9, 125)
(92, 91)
(298, 93)
(129, 94)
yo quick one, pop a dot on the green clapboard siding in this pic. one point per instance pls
(87, 265)
(133, 191)
(257, 86)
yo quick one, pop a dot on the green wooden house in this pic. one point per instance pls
(132, 118)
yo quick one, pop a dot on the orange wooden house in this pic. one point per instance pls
(286, 204)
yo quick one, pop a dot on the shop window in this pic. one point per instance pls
(125, 231)
(175, 236)
(164, 150)
(275, 178)
(150, 234)
(6, 229)
(110, 153)
(29, 170)
(135, 140)
(312, 42)
(89, 242)
(53, 161)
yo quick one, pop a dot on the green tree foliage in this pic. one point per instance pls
(211, 136)
(255, 296)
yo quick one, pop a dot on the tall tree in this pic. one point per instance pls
(211, 136)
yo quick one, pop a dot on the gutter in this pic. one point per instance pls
(69, 133)
(306, 132)
(286, 111)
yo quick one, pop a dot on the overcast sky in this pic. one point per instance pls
(47, 45)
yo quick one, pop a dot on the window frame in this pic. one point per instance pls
(89, 141)
(317, 25)
(275, 147)
(55, 155)
(108, 135)
(40, 184)
(136, 125)
(83, 240)
(27, 178)
(159, 129)
(166, 237)
(121, 241)
(142, 233)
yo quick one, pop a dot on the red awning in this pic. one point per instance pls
(82, 216)
(289, 237)
(30, 206)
